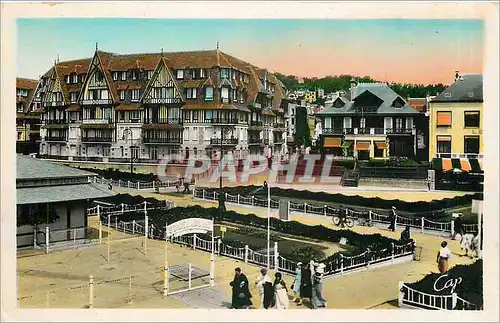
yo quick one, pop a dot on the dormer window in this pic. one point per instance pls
(73, 97)
(135, 75)
(75, 78)
(398, 103)
(224, 73)
(150, 74)
(68, 79)
(209, 93)
(82, 78)
(447, 95)
(180, 74)
(115, 76)
(124, 76)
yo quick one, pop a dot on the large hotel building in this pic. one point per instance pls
(112, 107)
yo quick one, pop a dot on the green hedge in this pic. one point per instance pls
(358, 242)
(470, 289)
(371, 202)
(116, 174)
(132, 200)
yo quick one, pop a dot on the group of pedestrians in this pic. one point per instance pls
(308, 284)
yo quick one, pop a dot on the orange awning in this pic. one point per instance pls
(362, 146)
(332, 142)
(444, 118)
(443, 138)
(464, 163)
(381, 144)
(447, 164)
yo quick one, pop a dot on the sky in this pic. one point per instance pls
(407, 51)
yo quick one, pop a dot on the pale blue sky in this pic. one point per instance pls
(299, 47)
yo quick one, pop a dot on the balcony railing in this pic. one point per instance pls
(363, 131)
(255, 123)
(254, 140)
(96, 139)
(53, 104)
(333, 131)
(218, 142)
(55, 121)
(148, 140)
(97, 121)
(459, 155)
(164, 120)
(97, 102)
(279, 125)
(399, 131)
(224, 120)
(265, 141)
(55, 138)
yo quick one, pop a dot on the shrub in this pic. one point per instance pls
(373, 202)
(470, 288)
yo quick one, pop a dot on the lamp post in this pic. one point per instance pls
(222, 205)
(128, 133)
(266, 185)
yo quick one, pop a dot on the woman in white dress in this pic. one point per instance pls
(280, 292)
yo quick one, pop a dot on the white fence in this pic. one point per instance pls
(246, 254)
(425, 225)
(123, 208)
(411, 298)
(135, 185)
(62, 239)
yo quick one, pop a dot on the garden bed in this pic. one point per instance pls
(470, 288)
(418, 208)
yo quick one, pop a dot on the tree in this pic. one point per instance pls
(302, 131)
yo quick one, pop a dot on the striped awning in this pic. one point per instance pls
(457, 165)
(381, 144)
(362, 146)
(332, 142)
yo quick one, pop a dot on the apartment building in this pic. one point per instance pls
(27, 122)
(115, 107)
(369, 121)
(456, 120)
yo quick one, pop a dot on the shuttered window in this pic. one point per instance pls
(444, 119)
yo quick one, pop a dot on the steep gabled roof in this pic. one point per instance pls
(379, 90)
(467, 88)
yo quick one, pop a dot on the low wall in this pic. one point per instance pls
(388, 182)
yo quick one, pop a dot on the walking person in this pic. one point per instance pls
(265, 285)
(280, 292)
(443, 257)
(317, 299)
(296, 282)
(241, 293)
(305, 284)
(392, 218)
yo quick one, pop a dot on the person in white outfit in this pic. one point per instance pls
(280, 292)
(264, 283)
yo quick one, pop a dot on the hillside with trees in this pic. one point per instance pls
(342, 82)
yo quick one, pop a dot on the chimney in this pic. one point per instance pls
(457, 75)
(353, 85)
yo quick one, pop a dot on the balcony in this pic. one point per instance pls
(399, 131)
(55, 138)
(224, 121)
(279, 125)
(224, 142)
(53, 104)
(97, 139)
(163, 121)
(97, 121)
(333, 131)
(363, 131)
(172, 141)
(55, 121)
(97, 102)
(266, 141)
(254, 123)
(254, 141)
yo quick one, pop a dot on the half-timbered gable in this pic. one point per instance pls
(162, 88)
(96, 87)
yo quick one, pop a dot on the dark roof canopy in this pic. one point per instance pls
(467, 88)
